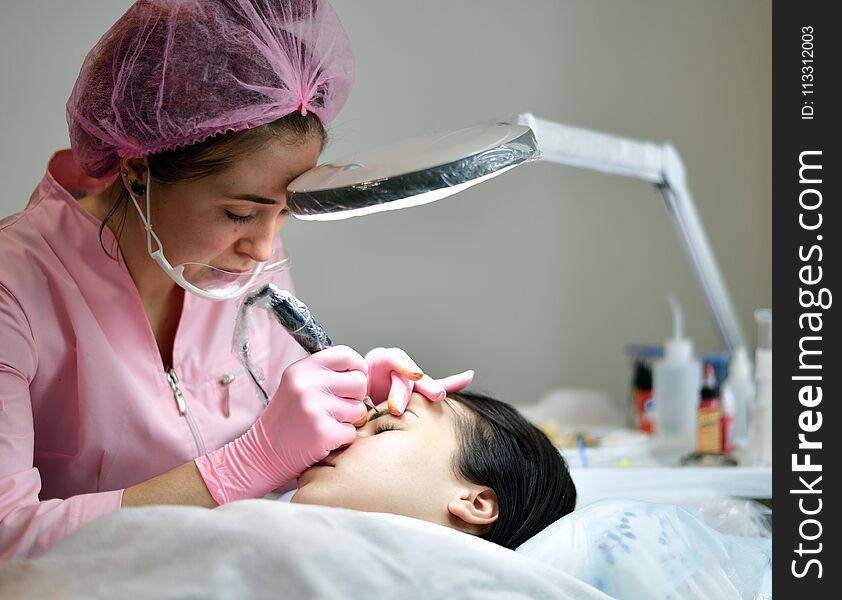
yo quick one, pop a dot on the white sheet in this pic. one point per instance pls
(263, 549)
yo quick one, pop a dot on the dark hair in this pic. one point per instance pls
(214, 155)
(501, 449)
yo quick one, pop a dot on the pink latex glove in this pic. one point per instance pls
(312, 413)
(393, 376)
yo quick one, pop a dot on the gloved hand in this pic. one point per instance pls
(393, 375)
(312, 413)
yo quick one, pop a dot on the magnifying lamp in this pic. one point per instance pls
(434, 166)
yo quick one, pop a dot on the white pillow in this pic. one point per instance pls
(639, 550)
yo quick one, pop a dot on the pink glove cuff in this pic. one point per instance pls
(241, 470)
(211, 478)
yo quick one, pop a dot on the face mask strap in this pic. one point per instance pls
(147, 221)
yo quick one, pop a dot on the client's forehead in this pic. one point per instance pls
(446, 409)
(449, 415)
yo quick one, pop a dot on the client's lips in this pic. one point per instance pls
(329, 460)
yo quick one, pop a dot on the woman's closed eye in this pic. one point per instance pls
(239, 218)
(249, 217)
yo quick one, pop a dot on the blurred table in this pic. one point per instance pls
(671, 484)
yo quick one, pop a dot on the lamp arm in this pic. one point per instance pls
(660, 165)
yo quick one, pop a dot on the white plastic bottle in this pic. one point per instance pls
(738, 392)
(675, 389)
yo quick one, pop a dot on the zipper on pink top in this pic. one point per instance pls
(172, 379)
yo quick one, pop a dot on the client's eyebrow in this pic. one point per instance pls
(385, 411)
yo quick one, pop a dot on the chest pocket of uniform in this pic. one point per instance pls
(237, 388)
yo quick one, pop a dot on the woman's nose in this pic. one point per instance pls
(260, 244)
(260, 249)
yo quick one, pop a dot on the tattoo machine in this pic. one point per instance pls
(293, 315)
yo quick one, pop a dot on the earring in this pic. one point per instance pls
(125, 174)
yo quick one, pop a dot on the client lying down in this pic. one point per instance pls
(470, 462)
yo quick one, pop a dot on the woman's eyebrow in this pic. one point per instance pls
(252, 198)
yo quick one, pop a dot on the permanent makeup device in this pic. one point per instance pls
(293, 315)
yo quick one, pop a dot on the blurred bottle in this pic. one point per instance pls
(641, 405)
(676, 380)
(721, 363)
(709, 416)
(738, 394)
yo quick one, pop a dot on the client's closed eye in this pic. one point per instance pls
(385, 427)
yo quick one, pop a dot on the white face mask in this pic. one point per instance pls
(204, 280)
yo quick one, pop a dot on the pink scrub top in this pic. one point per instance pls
(86, 406)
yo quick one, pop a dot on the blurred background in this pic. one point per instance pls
(537, 279)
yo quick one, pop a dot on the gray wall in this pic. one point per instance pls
(539, 278)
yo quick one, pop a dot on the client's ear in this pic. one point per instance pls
(476, 507)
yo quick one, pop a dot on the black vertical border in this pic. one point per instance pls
(791, 135)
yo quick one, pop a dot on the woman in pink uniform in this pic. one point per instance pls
(119, 281)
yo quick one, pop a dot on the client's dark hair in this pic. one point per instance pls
(501, 449)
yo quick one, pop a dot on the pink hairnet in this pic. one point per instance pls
(171, 73)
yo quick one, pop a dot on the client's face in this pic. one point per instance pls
(399, 465)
